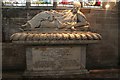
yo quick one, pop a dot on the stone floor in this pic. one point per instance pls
(104, 74)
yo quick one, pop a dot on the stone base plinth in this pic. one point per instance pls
(55, 60)
(54, 73)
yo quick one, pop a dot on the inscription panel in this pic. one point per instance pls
(56, 58)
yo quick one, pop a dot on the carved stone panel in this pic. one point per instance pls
(56, 59)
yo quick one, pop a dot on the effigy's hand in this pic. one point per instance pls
(87, 23)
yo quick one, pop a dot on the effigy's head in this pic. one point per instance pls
(76, 6)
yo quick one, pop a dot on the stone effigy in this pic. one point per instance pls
(67, 19)
(55, 43)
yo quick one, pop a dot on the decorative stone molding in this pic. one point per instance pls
(56, 37)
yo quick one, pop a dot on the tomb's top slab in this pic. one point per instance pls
(56, 37)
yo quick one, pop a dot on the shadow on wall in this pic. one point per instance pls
(12, 19)
(105, 53)
(119, 31)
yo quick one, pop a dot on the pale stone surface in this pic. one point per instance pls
(66, 19)
(56, 60)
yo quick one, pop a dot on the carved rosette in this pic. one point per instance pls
(56, 38)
